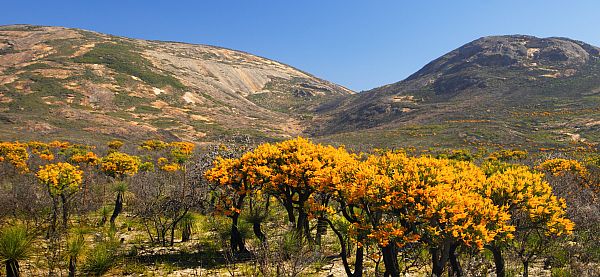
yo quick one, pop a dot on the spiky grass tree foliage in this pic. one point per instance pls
(74, 248)
(15, 246)
(100, 259)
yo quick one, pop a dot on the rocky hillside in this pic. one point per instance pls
(519, 90)
(510, 90)
(69, 83)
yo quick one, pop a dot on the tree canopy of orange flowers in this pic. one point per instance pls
(60, 178)
(525, 191)
(389, 199)
(392, 198)
(118, 165)
(559, 167)
(16, 154)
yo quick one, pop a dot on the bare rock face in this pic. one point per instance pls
(87, 85)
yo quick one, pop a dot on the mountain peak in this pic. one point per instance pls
(487, 81)
(554, 56)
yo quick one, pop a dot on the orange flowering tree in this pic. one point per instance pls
(536, 213)
(561, 167)
(16, 154)
(85, 157)
(505, 155)
(152, 156)
(396, 201)
(171, 156)
(368, 193)
(181, 151)
(235, 181)
(453, 213)
(115, 145)
(153, 145)
(164, 165)
(118, 165)
(241, 180)
(59, 144)
(337, 164)
(448, 212)
(41, 149)
(295, 172)
(460, 218)
(62, 180)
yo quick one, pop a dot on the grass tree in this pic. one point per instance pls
(186, 224)
(74, 248)
(15, 246)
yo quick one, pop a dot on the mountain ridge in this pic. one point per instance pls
(510, 89)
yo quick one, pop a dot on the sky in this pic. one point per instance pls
(358, 44)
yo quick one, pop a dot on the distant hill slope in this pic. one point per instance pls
(60, 83)
(518, 90)
(68, 83)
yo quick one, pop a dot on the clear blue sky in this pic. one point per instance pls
(359, 44)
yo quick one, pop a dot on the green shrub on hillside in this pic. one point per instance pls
(123, 58)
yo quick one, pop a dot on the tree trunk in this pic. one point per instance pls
(52, 229)
(390, 260)
(237, 241)
(302, 226)
(172, 241)
(103, 219)
(525, 268)
(321, 229)
(84, 199)
(498, 260)
(118, 207)
(258, 231)
(439, 258)
(454, 262)
(148, 231)
(358, 263)
(289, 208)
(65, 211)
(12, 268)
(163, 236)
(72, 266)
